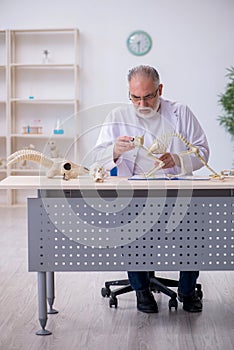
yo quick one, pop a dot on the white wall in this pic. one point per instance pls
(192, 47)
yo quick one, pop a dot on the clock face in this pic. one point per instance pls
(139, 43)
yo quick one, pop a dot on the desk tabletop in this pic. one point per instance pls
(111, 183)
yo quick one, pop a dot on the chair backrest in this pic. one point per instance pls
(114, 171)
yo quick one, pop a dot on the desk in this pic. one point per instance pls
(123, 225)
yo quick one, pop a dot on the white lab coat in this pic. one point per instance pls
(174, 117)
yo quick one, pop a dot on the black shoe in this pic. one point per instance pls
(191, 303)
(146, 302)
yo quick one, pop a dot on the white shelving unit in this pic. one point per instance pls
(39, 76)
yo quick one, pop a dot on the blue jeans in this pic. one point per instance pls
(187, 281)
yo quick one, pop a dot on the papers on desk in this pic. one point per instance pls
(169, 177)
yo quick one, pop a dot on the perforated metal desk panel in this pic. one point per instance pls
(139, 229)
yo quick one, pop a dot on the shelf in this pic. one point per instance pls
(45, 31)
(43, 136)
(43, 101)
(44, 65)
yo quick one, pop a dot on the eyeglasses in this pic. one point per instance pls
(146, 98)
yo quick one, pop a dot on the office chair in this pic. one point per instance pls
(157, 284)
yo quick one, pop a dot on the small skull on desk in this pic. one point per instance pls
(97, 172)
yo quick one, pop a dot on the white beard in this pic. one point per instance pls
(147, 112)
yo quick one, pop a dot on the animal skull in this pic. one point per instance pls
(97, 172)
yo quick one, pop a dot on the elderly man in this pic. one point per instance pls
(151, 115)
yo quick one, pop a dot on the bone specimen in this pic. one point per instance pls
(160, 146)
(66, 168)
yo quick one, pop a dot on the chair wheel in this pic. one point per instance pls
(173, 303)
(113, 302)
(105, 292)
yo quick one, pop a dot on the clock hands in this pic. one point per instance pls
(138, 45)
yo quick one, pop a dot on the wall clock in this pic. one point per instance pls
(139, 43)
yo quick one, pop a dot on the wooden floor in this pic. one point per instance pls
(85, 321)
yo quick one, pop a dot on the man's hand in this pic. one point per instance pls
(170, 160)
(122, 145)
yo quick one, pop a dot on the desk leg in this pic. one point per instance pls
(42, 305)
(50, 292)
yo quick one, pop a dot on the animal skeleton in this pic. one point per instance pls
(160, 145)
(66, 168)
